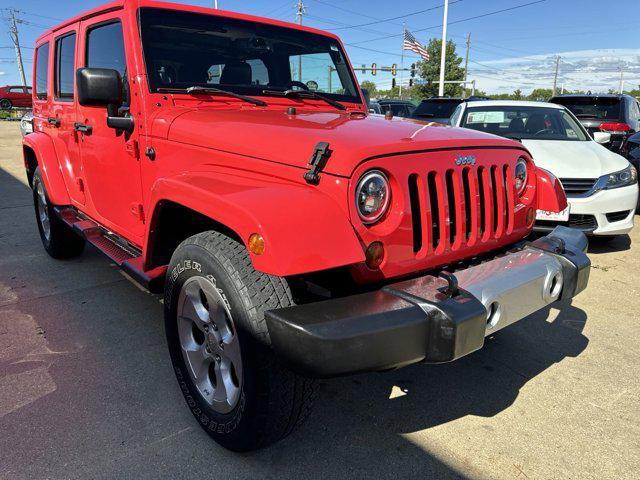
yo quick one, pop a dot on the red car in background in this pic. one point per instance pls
(14, 96)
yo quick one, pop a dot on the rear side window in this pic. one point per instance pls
(65, 66)
(600, 108)
(42, 71)
(436, 109)
(105, 49)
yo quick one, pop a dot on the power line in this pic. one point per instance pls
(398, 17)
(475, 17)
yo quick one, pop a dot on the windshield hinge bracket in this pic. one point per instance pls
(321, 154)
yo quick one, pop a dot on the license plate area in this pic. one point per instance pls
(562, 216)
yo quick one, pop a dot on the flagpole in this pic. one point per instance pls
(443, 52)
(402, 60)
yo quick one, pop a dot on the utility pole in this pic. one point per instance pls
(215, 4)
(555, 76)
(443, 53)
(300, 12)
(466, 63)
(13, 32)
(621, 79)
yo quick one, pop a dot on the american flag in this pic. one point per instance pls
(410, 43)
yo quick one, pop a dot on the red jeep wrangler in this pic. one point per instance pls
(230, 161)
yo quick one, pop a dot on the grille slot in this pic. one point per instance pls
(416, 212)
(508, 198)
(466, 187)
(435, 209)
(483, 202)
(465, 207)
(578, 186)
(494, 199)
(451, 198)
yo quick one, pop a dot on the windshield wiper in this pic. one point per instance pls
(219, 91)
(305, 94)
(429, 115)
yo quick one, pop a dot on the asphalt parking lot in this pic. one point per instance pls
(87, 391)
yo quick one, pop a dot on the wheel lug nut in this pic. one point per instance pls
(207, 348)
(206, 328)
(221, 345)
(217, 357)
(215, 327)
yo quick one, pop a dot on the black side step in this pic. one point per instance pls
(125, 255)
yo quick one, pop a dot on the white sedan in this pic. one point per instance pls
(601, 186)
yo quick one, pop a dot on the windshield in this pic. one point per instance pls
(185, 49)
(525, 122)
(436, 109)
(601, 108)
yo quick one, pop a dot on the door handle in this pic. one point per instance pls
(53, 121)
(81, 127)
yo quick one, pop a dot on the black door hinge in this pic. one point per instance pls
(321, 154)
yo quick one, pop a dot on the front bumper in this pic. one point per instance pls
(600, 206)
(428, 318)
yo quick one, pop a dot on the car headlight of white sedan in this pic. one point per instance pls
(623, 178)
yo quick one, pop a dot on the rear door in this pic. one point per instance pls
(61, 114)
(110, 158)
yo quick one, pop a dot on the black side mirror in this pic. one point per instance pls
(103, 87)
(367, 96)
(99, 86)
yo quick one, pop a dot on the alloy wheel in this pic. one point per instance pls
(209, 343)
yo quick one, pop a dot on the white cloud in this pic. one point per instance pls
(595, 70)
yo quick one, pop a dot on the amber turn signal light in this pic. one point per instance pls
(374, 255)
(256, 244)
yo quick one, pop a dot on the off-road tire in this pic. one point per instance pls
(61, 241)
(273, 400)
(5, 104)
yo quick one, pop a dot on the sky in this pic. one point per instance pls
(513, 45)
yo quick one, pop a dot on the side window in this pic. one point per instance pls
(42, 71)
(105, 49)
(635, 111)
(65, 66)
(456, 115)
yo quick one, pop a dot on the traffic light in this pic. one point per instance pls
(364, 68)
(394, 69)
(393, 83)
(374, 68)
(411, 82)
(413, 70)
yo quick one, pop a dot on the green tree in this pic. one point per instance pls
(430, 70)
(540, 94)
(372, 87)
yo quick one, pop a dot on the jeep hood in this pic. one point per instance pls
(290, 139)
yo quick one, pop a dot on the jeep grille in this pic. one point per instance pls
(461, 208)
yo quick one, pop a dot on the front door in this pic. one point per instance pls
(109, 157)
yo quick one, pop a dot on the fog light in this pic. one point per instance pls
(256, 244)
(374, 255)
(531, 216)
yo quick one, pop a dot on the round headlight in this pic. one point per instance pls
(372, 196)
(521, 175)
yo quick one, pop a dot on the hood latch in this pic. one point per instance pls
(321, 154)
